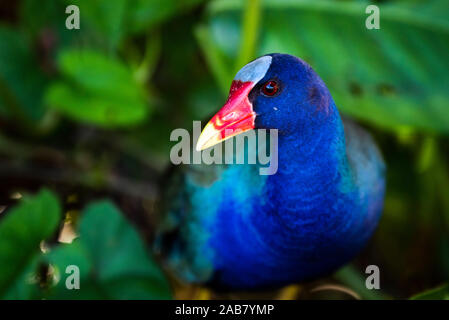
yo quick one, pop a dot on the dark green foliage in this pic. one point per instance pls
(113, 261)
(112, 258)
(21, 233)
(368, 71)
(22, 84)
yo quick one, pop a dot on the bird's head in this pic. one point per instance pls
(275, 91)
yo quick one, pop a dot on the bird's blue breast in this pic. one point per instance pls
(280, 232)
(244, 230)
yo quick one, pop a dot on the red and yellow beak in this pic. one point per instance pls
(235, 117)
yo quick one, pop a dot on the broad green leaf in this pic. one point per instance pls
(21, 78)
(112, 258)
(73, 254)
(394, 76)
(440, 293)
(21, 231)
(97, 90)
(100, 110)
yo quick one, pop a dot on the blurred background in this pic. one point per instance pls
(85, 118)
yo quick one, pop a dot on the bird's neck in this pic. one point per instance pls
(310, 190)
(312, 160)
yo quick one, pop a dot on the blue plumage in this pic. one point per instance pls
(233, 228)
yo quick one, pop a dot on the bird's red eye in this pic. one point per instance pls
(270, 88)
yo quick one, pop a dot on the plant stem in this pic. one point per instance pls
(250, 27)
(214, 59)
(150, 58)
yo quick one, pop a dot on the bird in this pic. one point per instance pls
(228, 227)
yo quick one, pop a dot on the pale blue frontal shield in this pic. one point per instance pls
(255, 70)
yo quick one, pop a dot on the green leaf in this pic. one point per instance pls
(98, 90)
(112, 258)
(73, 254)
(394, 76)
(21, 79)
(21, 231)
(440, 293)
(25, 285)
